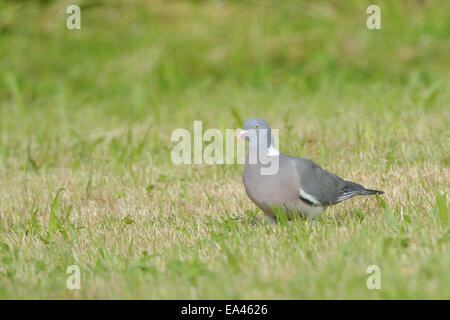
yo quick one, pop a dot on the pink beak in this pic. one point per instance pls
(242, 134)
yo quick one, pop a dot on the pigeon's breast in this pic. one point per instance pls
(280, 189)
(261, 189)
(268, 190)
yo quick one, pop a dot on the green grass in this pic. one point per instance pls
(85, 171)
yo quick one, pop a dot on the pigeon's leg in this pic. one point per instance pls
(271, 220)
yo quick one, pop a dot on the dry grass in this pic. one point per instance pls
(85, 170)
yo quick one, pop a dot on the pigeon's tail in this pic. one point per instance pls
(352, 189)
(369, 191)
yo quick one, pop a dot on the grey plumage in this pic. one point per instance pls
(298, 186)
(325, 186)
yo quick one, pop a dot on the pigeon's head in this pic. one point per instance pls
(258, 128)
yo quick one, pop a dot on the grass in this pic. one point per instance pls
(85, 171)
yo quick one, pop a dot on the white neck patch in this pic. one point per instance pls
(272, 151)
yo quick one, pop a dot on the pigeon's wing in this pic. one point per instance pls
(320, 187)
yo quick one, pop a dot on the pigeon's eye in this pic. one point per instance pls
(257, 125)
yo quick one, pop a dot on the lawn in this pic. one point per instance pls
(86, 176)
